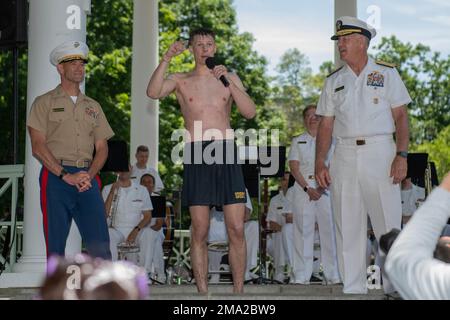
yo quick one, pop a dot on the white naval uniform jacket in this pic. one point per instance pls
(410, 199)
(279, 206)
(362, 105)
(136, 175)
(132, 201)
(303, 149)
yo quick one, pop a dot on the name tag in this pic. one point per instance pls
(58, 109)
(302, 142)
(137, 200)
(279, 208)
(339, 89)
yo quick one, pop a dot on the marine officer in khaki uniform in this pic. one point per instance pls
(362, 105)
(65, 127)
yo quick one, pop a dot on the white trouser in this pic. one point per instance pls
(317, 262)
(252, 240)
(275, 248)
(251, 232)
(150, 247)
(361, 185)
(306, 213)
(288, 242)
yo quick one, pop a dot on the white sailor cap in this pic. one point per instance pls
(349, 25)
(68, 51)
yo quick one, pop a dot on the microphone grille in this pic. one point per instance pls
(210, 62)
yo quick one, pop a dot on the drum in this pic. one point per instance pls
(218, 246)
(128, 251)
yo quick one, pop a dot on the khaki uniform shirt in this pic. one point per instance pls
(71, 130)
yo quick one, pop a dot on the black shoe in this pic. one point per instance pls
(315, 279)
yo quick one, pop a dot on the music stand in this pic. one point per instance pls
(117, 160)
(258, 162)
(159, 211)
(417, 164)
(159, 206)
(434, 176)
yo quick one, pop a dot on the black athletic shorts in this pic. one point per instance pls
(212, 175)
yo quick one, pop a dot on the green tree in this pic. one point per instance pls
(427, 76)
(108, 77)
(438, 151)
(295, 87)
(6, 105)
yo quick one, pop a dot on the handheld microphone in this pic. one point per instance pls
(211, 63)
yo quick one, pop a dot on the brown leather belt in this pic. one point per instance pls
(78, 163)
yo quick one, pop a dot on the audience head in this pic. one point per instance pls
(85, 278)
(442, 251)
(386, 240)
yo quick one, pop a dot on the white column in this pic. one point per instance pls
(51, 22)
(144, 111)
(342, 8)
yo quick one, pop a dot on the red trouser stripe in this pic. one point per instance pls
(44, 182)
(97, 177)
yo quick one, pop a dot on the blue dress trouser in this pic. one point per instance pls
(61, 202)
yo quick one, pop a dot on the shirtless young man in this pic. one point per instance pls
(205, 100)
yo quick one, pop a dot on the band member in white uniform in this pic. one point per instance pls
(130, 208)
(218, 233)
(279, 220)
(141, 168)
(156, 224)
(412, 196)
(310, 203)
(362, 104)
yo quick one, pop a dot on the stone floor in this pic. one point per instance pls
(224, 292)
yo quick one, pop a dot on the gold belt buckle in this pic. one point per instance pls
(360, 142)
(78, 165)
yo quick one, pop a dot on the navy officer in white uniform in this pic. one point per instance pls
(310, 203)
(363, 104)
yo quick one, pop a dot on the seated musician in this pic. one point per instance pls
(129, 209)
(157, 225)
(412, 196)
(279, 222)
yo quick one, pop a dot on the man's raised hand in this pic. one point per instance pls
(175, 49)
